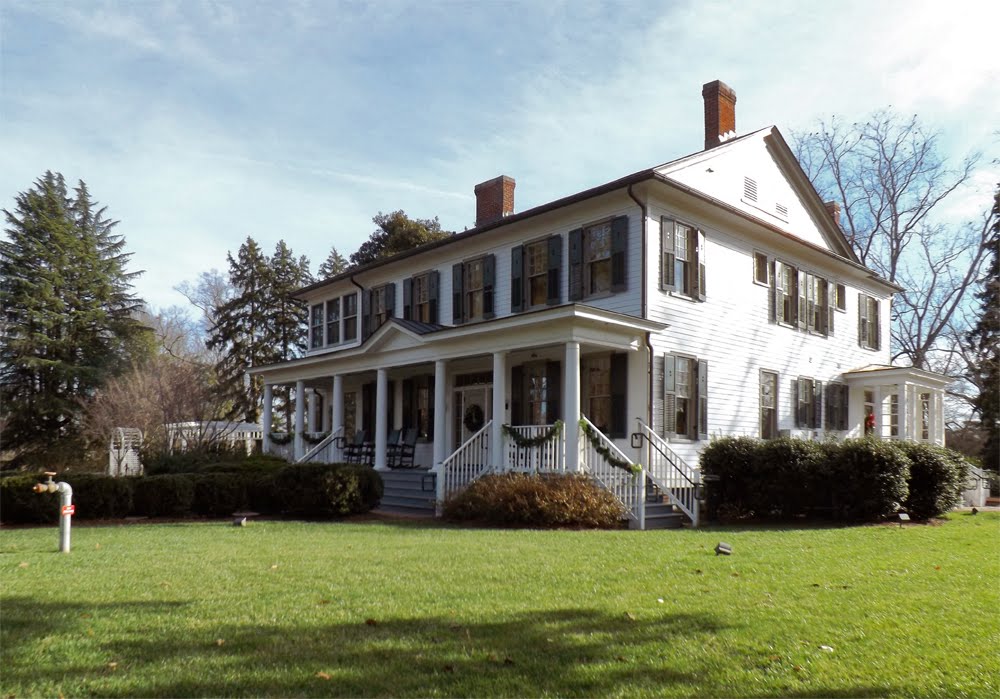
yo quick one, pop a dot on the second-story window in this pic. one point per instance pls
(535, 270)
(472, 285)
(333, 322)
(682, 264)
(868, 322)
(316, 326)
(380, 306)
(537, 255)
(598, 262)
(421, 299)
(597, 259)
(473, 290)
(350, 312)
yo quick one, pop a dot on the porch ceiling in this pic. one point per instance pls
(395, 345)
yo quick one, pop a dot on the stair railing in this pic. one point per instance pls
(330, 439)
(548, 457)
(669, 472)
(466, 464)
(629, 487)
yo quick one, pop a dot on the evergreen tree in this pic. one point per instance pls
(984, 340)
(240, 332)
(397, 233)
(68, 312)
(332, 265)
(288, 316)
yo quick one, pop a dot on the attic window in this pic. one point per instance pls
(782, 210)
(749, 189)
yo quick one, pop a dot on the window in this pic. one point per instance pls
(807, 405)
(472, 289)
(598, 263)
(894, 416)
(538, 393)
(802, 299)
(685, 397)
(418, 405)
(420, 297)
(597, 389)
(761, 269)
(350, 309)
(535, 393)
(333, 322)
(316, 327)
(380, 306)
(841, 298)
(869, 411)
(768, 405)
(682, 267)
(836, 406)
(537, 273)
(868, 322)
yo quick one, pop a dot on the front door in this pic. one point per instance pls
(473, 407)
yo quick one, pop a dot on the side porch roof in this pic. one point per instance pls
(886, 374)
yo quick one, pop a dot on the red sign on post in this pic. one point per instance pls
(69, 509)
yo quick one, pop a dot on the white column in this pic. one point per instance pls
(268, 418)
(312, 404)
(571, 409)
(381, 417)
(499, 398)
(324, 420)
(337, 414)
(879, 408)
(300, 410)
(903, 408)
(440, 391)
(937, 424)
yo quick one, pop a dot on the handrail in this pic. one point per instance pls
(549, 457)
(322, 445)
(629, 488)
(670, 473)
(458, 470)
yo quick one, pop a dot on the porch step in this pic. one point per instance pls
(660, 515)
(410, 491)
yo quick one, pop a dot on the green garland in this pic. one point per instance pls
(315, 440)
(529, 442)
(634, 469)
(280, 438)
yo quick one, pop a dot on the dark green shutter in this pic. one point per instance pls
(831, 306)
(619, 253)
(555, 265)
(433, 284)
(797, 398)
(553, 393)
(668, 251)
(517, 279)
(517, 395)
(830, 404)
(702, 403)
(457, 276)
(576, 264)
(802, 317)
(698, 268)
(619, 395)
(777, 296)
(390, 300)
(489, 284)
(408, 298)
(669, 394)
(409, 404)
(366, 314)
(817, 404)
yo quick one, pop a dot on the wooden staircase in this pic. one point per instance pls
(408, 491)
(660, 513)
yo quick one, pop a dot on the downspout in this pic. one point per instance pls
(645, 265)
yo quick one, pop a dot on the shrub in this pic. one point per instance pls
(518, 499)
(219, 494)
(937, 478)
(324, 490)
(787, 477)
(20, 505)
(169, 495)
(729, 464)
(867, 478)
(203, 461)
(101, 497)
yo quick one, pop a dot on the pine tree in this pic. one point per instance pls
(68, 311)
(333, 265)
(287, 316)
(984, 340)
(397, 233)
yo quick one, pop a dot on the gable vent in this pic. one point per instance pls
(782, 210)
(749, 189)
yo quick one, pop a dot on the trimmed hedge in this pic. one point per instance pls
(210, 462)
(525, 500)
(854, 480)
(314, 490)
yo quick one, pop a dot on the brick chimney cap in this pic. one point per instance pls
(496, 180)
(717, 86)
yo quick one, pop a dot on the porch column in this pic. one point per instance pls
(268, 418)
(324, 421)
(572, 406)
(381, 417)
(300, 415)
(937, 411)
(337, 418)
(440, 435)
(499, 402)
(879, 409)
(312, 411)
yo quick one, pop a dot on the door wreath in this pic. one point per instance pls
(474, 418)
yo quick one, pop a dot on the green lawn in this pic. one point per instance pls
(383, 609)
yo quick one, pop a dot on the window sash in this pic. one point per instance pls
(350, 312)
(333, 321)
(768, 405)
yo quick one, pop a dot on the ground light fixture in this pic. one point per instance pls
(723, 549)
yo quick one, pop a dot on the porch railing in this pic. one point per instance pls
(466, 464)
(285, 451)
(548, 457)
(671, 474)
(629, 488)
(328, 447)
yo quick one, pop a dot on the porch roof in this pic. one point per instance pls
(402, 342)
(885, 374)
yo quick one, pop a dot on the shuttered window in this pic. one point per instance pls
(418, 405)
(333, 322)
(768, 405)
(598, 259)
(350, 311)
(802, 300)
(808, 394)
(420, 297)
(682, 259)
(685, 397)
(316, 326)
(836, 406)
(868, 322)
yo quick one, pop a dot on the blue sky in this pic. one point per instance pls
(199, 123)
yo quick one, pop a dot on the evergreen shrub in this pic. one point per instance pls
(327, 490)
(937, 479)
(169, 495)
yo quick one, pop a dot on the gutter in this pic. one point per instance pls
(643, 303)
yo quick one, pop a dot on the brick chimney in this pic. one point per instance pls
(833, 208)
(494, 199)
(720, 112)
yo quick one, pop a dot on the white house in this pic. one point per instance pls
(712, 295)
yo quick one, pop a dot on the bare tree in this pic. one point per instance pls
(891, 181)
(207, 293)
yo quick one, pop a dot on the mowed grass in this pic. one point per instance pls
(404, 609)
